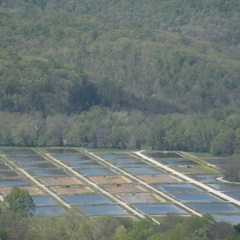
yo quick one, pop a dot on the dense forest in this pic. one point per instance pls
(121, 74)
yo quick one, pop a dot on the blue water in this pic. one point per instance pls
(143, 170)
(96, 171)
(86, 199)
(176, 162)
(177, 187)
(195, 197)
(27, 158)
(49, 210)
(83, 164)
(102, 209)
(128, 163)
(12, 183)
(158, 209)
(164, 155)
(43, 200)
(114, 156)
(232, 219)
(36, 165)
(61, 150)
(48, 172)
(4, 174)
(207, 178)
(235, 195)
(66, 157)
(225, 208)
(225, 187)
(19, 151)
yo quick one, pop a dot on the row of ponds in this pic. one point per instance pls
(140, 198)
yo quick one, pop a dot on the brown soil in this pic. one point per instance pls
(159, 178)
(32, 190)
(72, 189)
(110, 179)
(49, 181)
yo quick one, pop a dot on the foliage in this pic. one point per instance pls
(19, 201)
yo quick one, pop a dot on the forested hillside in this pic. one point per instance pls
(122, 74)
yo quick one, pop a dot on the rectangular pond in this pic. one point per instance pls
(195, 197)
(41, 200)
(139, 198)
(13, 183)
(36, 165)
(164, 155)
(49, 210)
(114, 156)
(128, 163)
(96, 210)
(19, 151)
(61, 150)
(7, 173)
(223, 208)
(177, 187)
(177, 162)
(86, 199)
(158, 209)
(70, 157)
(48, 172)
(83, 164)
(228, 187)
(207, 178)
(143, 170)
(96, 171)
(29, 158)
(232, 219)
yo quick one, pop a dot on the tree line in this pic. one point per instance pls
(101, 128)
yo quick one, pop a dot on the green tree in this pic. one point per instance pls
(19, 201)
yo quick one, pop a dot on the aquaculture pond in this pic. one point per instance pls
(232, 219)
(48, 172)
(139, 198)
(86, 199)
(61, 150)
(228, 187)
(177, 162)
(13, 183)
(36, 165)
(83, 164)
(49, 210)
(155, 209)
(128, 163)
(114, 156)
(207, 178)
(8, 173)
(224, 208)
(43, 200)
(19, 151)
(195, 197)
(102, 209)
(96, 171)
(28, 158)
(70, 157)
(143, 170)
(164, 155)
(178, 187)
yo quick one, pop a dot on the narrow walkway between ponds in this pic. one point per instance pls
(193, 181)
(94, 185)
(180, 204)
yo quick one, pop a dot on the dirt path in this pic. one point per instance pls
(181, 175)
